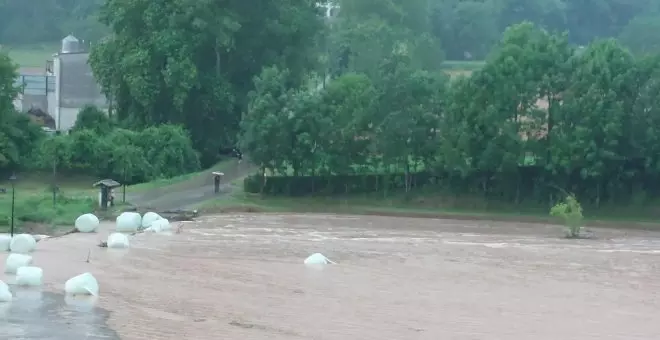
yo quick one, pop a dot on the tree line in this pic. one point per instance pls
(190, 62)
(48, 21)
(365, 91)
(540, 119)
(466, 29)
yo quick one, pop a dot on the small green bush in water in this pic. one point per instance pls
(570, 211)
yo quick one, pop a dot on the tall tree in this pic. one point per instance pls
(367, 31)
(190, 62)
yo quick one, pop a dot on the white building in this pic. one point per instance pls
(75, 86)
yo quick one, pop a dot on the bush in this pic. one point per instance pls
(570, 211)
(168, 150)
(93, 118)
(128, 156)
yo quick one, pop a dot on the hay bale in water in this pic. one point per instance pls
(128, 222)
(117, 241)
(83, 284)
(317, 258)
(23, 244)
(5, 293)
(87, 223)
(149, 218)
(15, 261)
(29, 276)
(5, 242)
(160, 226)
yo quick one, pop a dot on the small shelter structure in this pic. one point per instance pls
(106, 196)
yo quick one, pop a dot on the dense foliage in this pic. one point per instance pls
(95, 146)
(189, 62)
(464, 28)
(539, 118)
(128, 156)
(48, 21)
(361, 101)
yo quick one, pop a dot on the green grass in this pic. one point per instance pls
(34, 200)
(32, 55)
(466, 65)
(427, 205)
(158, 183)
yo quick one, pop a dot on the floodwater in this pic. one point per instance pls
(48, 316)
(242, 277)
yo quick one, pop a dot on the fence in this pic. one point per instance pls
(35, 84)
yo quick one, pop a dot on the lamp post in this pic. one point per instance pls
(12, 179)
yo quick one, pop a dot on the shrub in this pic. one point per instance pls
(570, 211)
(93, 118)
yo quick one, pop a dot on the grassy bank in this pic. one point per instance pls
(34, 201)
(467, 65)
(163, 182)
(427, 206)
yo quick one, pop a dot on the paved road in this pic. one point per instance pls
(187, 194)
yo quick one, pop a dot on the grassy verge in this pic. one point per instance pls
(32, 55)
(467, 65)
(34, 206)
(155, 184)
(458, 68)
(424, 206)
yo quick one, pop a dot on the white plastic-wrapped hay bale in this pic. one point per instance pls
(149, 218)
(117, 241)
(87, 223)
(15, 261)
(317, 258)
(29, 276)
(5, 242)
(160, 226)
(83, 284)
(128, 222)
(5, 293)
(22, 244)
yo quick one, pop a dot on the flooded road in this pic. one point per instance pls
(48, 316)
(242, 277)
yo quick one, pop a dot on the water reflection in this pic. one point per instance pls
(47, 316)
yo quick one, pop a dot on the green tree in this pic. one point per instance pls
(184, 61)
(367, 31)
(127, 160)
(93, 118)
(18, 135)
(169, 150)
(466, 29)
(409, 110)
(347, 119)
(591, 134)
(266, 133)
(640, 34)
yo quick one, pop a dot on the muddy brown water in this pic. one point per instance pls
(242, 277)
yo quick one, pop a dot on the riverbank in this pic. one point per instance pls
(424, 206)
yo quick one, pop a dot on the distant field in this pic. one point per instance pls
(455, 68)
(31, 58)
